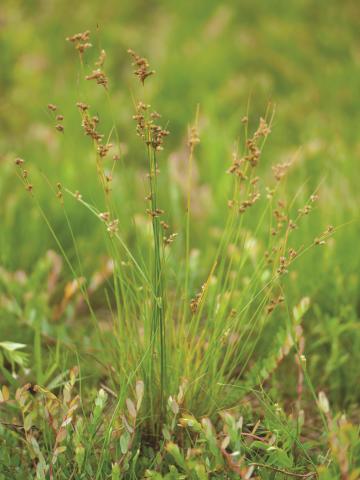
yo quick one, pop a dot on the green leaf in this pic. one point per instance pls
(124, 442)
(115, 471)
(11, 346)
(200, 471)
(139, 393)
(153, 474)
(280, 458)
(28, 422)
(174, 451)
(300, 309)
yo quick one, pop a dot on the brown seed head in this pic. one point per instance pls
(113, 227)
(79, 37)
(99, 77)
(104, 216)
(194, 138)
(142, 67)
(81, 47)
(101, 60)
(82, 106)
(169, 240)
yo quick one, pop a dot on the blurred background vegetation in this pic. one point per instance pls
(231, 57)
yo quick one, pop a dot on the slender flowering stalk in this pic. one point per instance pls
(153, 136)
(193, 141)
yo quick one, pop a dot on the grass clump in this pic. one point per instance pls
(188, 346)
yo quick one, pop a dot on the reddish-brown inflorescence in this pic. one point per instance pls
(81, 41)
(142, 67)
(99, 76)
(146, 128)
(242, 165)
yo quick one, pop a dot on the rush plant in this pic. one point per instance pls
(184, 336)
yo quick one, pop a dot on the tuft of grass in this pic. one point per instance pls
(190, 362)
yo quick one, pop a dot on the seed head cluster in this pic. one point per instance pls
(242, 167)
(274, 303)
(81, 41)
(153, 135)
(101, 60)
(281, 219)
(147, 128)
(99, 76)
(142, 67)
(321, 240)
(24, 174)
(59, 118)
(285, 261)
(196, 301)
(252, 143)
(112, 225)
(253, 151)
(170, 239)
(59, 192)
(193, 137)
(90, 123)
(280, 170)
